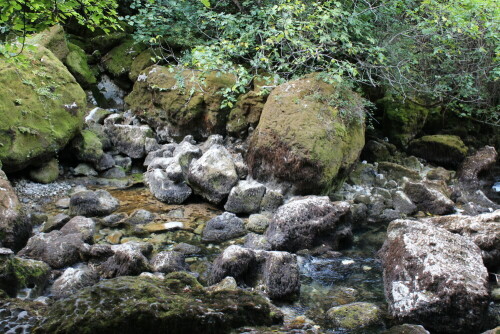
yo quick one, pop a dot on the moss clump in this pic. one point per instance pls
(53, 39)
(18, 273)
(136, 304)
(50, 115)
(186, 101)
(77, 63)
(354, 316)
(46, 173)
(87, 146)
(446, 150)
(310, 133)
(118, 61)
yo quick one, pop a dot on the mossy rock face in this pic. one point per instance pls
(87, 147)
(18, 273)
(118, 61)
(403, 120)
(445, 150)
(310, 134)
(46, 173)
(246, 113)
(42, 108)
(144, 305)
(105, 42)
(184, 101)
(141, 62)
(77, 63)
(53, 39)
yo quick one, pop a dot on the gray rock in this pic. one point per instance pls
(105, 162)
(407, 329)
(122, 161)
(434, 277)
(151, 145)
(234, 261)
(245, 197)
(168, 261)
(129, 139)
(185, 153)
(84, 169)
(240, 165)
(113, 219)
(271, 200)
(258, 223)
(481, 161)
(165, 189)
(224, 227)
(483, 230)
(187, 249)
(93, 203)
(281, 276)
(213, 175)
(55, 222)
(403, 203)
(256, 241)
(355, 316)
(305, 222)
(114, 173)
(139, 217)
(128, 260)
(73, 280)
(82, 225)
(166, 151)
(63, 203)
(428, 198)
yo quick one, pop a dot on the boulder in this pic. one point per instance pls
(15, 227)
(87, 147)
(45, 173)
(168, 261)
(186, 102)
(151, 305)
(246, 112)
(165, 189)
(77, 63)
(429, 198)
(354, 316)
(305, 222)
(73, 280)
(118, 61)
(434, 277)
(245, 197)
(84, 226)
(52, 38)
(223, 227)
(129, 139)
(280, 274)
(397, 172)
(258, 223)
(55, 222)
(377, 151)
(213, 175)
(128, 260)
(481, 161)
(42, 109)
(17, 273)
(310, 134)
(93, 203)
(483, 230)
(444, 150)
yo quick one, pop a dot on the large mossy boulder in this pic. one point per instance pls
(42, 108)
(185, 102)
(53, 39)
(118, 61)
(309, 135)
(77, 63)
(445, 150)
(177, 304)
(403, 120)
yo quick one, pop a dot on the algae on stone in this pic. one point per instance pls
(310, 133)
(42, 108)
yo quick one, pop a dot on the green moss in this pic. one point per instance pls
(141, 62)
(46, 173)
(118, 61)
(53, 39)
(246, 112)
(77, 63)
(51, 119)
(355, 315)
(446, 150)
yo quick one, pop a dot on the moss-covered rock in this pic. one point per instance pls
(403, 120)
(140, 63)
(138, 304)
(310, 134)
(42, 108)
(17, 273)
(46, 173)
(105, 42)
(187, 102)
(77, 64)
(118, 61)
(355, 316)
(87, 147)
(445, 150)
(53, 39)
(246, 112)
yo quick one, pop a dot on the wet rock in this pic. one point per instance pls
(113, 219)
(402, 203)
(376, 151)
(46, 173)
(445, 150)
(165, 189)
(73, 280)
(407, 329)
(100, 251)
(245, 197)
(308, 221)
(128, 259)
(234, 261)
(97, 115)
(281, 275)
(187, 249)
(63, 203)
(258, 223)
(129, 139)
(483, 230)
(168, 261)
(140, 217)
(257, 241)
(297, 142)
(440, 174)
(123, 162)
(363, 174)
(354, 316)
(228, 283)
(84, 226)
(20, 315)
(55, 222)
(428, 198)
(17, 273)
(83, 169)
(213, 175)
(481, 161)
(56, 248)
(15, 227)
(93, 203)
(224, 227)
(114, 173)
(434, 277)
(271, 200)
(397, 172)
(153, 305)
